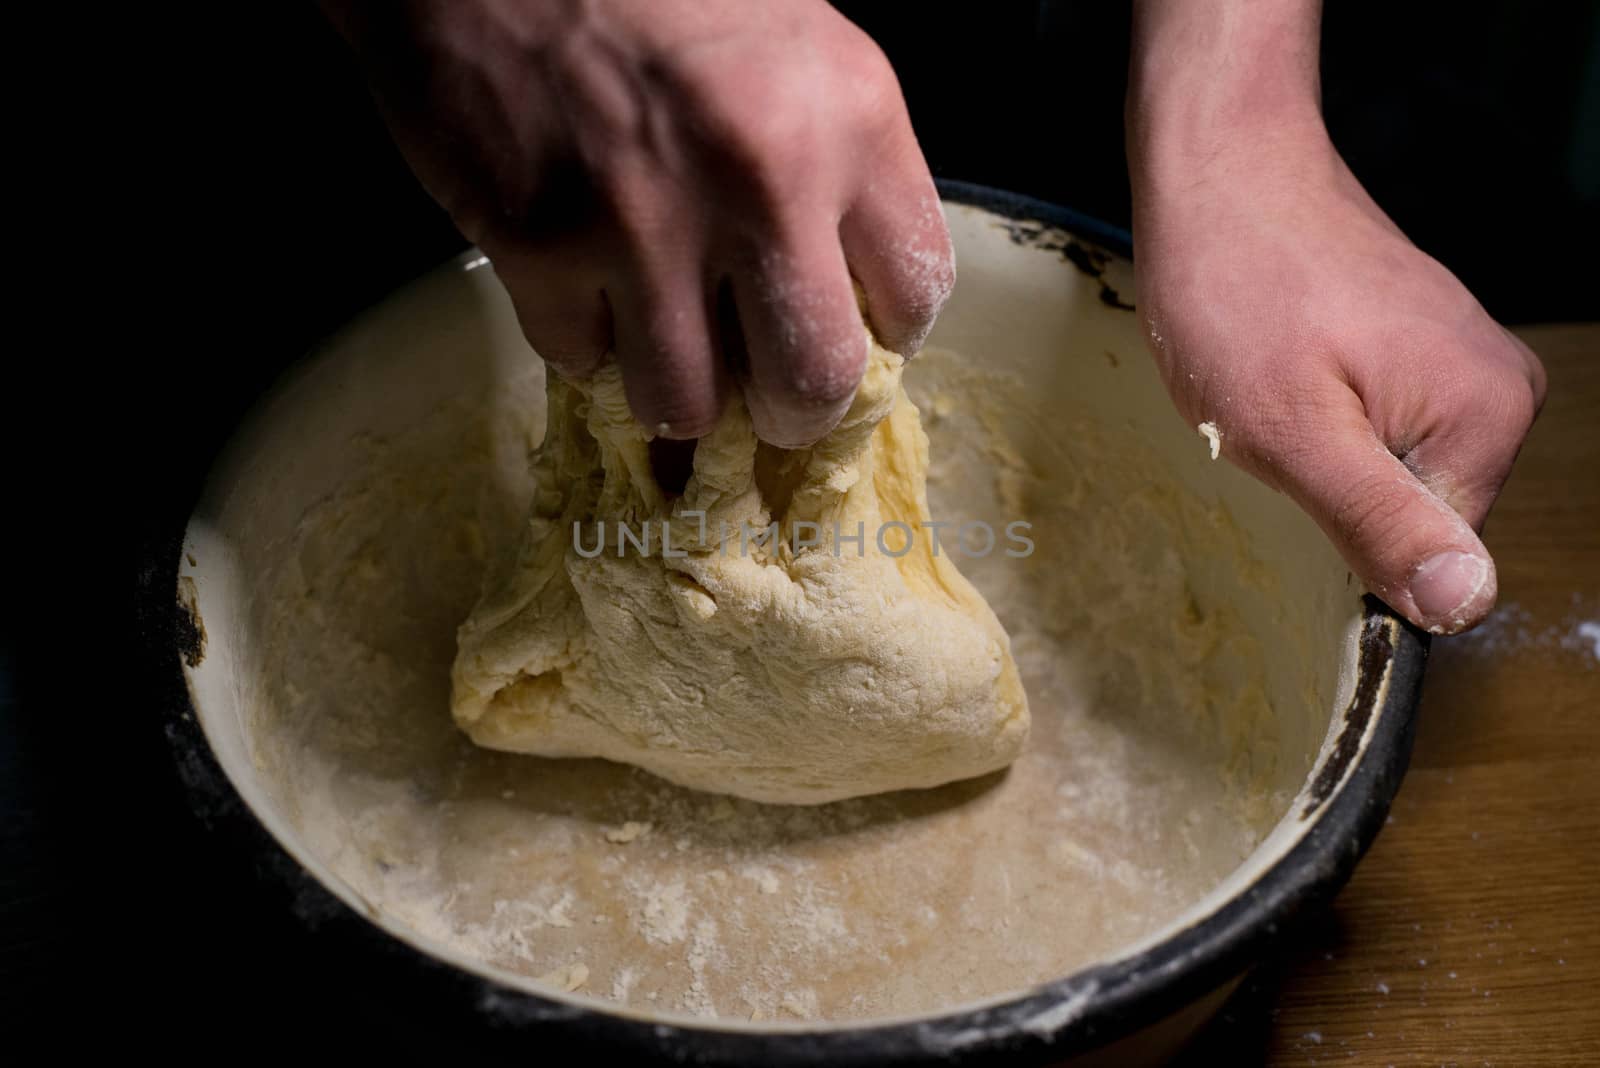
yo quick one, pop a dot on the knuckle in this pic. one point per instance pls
(1538, 381)
(765, 130)
(821, 376)
(642, 222)
(928, 274)
(756, 131)
(1505, 403)
(868, 75)
(684, 405)
(1371, 512)
(566, 344)
(767, 167)
(670, 336)
(822, 384)
(568, 332)
(1488, 376)
(919, 284)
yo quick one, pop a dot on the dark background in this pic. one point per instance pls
(274, 207)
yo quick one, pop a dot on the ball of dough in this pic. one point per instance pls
(722, 657)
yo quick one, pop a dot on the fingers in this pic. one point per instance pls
(1403, 539)
(806, 344)
(1534, 368)
(899, 249)
(648, 308)
(1467, 457)
(671, 369)
(802, 343)
(564, 317)
(800, 338)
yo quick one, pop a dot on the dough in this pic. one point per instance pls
(772, 670)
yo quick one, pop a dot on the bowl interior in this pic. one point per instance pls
(1186, 638)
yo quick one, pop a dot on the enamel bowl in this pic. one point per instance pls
(1220, 717)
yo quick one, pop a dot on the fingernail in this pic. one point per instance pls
(1446, 584)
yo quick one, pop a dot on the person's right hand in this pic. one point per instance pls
(637, 171)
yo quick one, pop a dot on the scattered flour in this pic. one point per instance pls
(1589, 631)
(1511, 628)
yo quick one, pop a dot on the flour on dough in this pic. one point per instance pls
(755, 669)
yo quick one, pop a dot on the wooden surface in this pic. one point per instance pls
(1471, 932)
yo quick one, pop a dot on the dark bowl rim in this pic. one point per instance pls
(1074, 1014)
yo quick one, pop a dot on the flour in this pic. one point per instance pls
(1512, 628)
(1589, 631)
(663, 915)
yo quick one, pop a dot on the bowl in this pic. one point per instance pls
(1221, 718)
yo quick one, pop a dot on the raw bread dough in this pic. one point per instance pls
(757, 669)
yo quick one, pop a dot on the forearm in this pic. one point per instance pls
(1204, 73)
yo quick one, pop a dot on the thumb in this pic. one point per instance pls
(1405, 542)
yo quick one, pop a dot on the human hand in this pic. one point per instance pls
(1341, 364)
(640, 174)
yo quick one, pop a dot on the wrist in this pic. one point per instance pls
(1207, 80)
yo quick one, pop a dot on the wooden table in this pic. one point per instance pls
(1471, 933)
